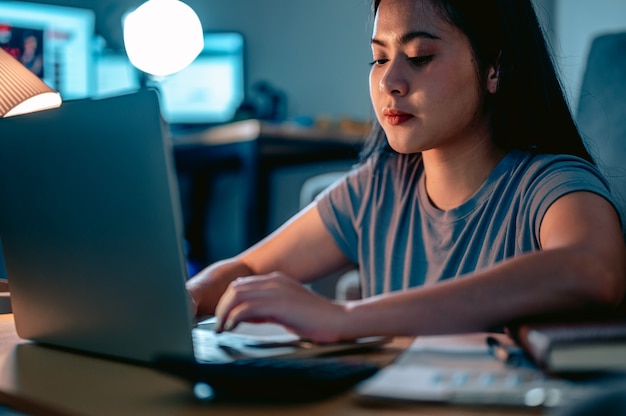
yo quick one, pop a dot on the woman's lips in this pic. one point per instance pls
(396, 117)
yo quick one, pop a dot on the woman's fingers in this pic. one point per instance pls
(241, 297)
(277, 298)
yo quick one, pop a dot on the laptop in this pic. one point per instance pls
(91, 229)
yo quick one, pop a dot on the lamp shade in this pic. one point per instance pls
(162, 37)
(21, 91)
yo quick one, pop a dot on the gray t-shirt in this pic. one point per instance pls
(382, 219)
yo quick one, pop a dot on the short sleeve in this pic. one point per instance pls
(560, 177)
(340, 207)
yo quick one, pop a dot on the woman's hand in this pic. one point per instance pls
(206, 288)
(280, 299)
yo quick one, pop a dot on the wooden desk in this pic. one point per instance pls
(47, 381)
(254, 149)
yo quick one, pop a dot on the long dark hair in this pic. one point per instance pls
(529, 111)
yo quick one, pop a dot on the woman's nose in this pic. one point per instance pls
(394, 79)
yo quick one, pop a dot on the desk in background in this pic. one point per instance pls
(46, 381)
(254, 149)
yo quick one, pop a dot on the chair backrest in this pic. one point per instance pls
(601, 114)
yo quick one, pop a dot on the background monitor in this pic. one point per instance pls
(211, 89)
(54, 41)
(114, 74)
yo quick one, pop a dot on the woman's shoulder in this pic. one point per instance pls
(533, 163)
(545, 170)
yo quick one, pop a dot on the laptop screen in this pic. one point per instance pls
(91, 230)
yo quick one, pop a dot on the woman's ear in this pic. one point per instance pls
(493, 76)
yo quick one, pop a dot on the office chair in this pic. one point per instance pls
(601, 114)
(601, 118)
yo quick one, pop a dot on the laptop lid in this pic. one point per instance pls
(91, 229)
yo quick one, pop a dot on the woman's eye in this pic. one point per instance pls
(378, 61)
(421, 60)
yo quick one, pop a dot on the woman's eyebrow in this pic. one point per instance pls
(407, 37)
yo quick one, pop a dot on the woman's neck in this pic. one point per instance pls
(452, 177)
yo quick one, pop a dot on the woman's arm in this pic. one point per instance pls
(302, 249)
(581, 264)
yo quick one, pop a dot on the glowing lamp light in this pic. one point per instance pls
(21, 91)
(162, 37)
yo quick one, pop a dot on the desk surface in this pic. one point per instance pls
(248, 130)
(48, 381)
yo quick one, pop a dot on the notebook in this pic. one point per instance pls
(463, 369)
(91, 229)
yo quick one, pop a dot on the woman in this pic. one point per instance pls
(475, 205)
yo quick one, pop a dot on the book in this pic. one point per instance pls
(574, 346)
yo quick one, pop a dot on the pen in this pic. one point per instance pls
(512, 357)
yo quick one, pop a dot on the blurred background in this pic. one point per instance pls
(317, 52)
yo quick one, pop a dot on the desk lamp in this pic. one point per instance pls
(21, 91)
(162, 37)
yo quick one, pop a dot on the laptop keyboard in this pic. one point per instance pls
(211, 347)
(228, 366)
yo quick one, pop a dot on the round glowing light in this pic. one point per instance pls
(162, 37)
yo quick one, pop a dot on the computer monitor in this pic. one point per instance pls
(54, 41)
(211, 89)
(114, 73)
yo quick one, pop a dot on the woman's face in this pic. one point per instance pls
(424, 83)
